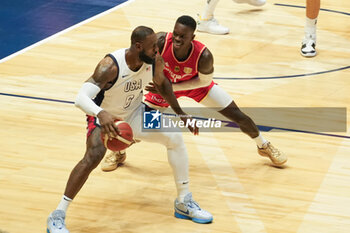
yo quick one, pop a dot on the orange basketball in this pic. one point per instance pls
(122, 141)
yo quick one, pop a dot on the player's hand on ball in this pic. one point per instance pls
(107, 123)
(123, 140)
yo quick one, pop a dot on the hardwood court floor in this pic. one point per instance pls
(42, 140)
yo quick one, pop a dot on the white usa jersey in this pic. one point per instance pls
(126, 93)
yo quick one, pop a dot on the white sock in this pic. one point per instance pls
(182, 190)
(310, 28)
(260, 140)
(64, 203)
(178, 160)
(208, 12)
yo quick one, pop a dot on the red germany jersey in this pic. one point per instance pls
(179, 71)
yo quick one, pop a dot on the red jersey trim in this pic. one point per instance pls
(166, 43)
(189, 56)
(199, 56)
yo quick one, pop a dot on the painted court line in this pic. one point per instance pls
(263, 128)
(321, 9)
(284, 76)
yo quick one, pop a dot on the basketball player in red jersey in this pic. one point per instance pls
(189, 67)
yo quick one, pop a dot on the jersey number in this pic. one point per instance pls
(128, 100)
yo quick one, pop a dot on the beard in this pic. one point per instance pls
(143, 57)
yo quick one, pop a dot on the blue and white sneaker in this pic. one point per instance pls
(189, 209)
(55, 222)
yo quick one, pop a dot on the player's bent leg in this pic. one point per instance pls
(247, 125)
(95, 151)
(244, 122)
(218, 98)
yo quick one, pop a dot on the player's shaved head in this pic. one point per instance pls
(187, 21)
(140, 33)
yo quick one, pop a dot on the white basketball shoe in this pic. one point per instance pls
(308, 46)
(55, 222)
(189, 209)
(211, 26)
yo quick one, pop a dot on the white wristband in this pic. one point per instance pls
(84, 99)
(206, 78)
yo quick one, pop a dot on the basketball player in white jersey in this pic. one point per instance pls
(114, 91)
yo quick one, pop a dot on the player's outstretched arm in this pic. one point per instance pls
(164, 88)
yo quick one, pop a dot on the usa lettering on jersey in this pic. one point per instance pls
(133, 85)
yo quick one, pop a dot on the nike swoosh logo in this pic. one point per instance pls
(187, 212)
(124, 76)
